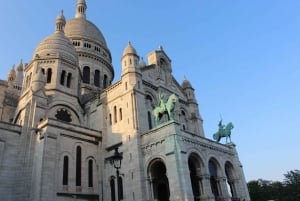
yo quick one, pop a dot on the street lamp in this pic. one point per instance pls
(116, 161)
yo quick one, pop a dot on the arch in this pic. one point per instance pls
(229, 171)
(58, 105)
(86, 75)
(97, 78)
(158, 180)
(196, 168)
(214, 172)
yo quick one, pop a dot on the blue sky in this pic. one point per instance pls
(242, 57)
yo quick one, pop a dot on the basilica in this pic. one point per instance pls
(68, 132)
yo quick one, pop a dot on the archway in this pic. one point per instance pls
(230, 179)
(195, 175)
(214, 180)
(159, 183)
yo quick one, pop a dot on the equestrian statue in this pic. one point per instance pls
(224, 131)
(165, 107)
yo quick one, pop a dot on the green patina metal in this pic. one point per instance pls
(164, 107)
(224, 131)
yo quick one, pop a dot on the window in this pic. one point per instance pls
(112, 189)
(97, 78)
(149, 120)
(115, 114)
(120, 111)
(78, 166)
(90, 173)
(86, 75)
(65, 170)
(120, 188)
(69, 78)
(110, 120)
(62, 78)
(105, 81)
(49, 75)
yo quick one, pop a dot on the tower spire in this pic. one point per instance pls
(80, 9)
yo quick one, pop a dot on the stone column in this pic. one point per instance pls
(207, 192)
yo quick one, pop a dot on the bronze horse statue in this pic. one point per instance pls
(224, 132)
(165, 107)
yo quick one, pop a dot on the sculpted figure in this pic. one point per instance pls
(165, 107)
(224, 131)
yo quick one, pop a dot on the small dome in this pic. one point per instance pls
(12, 71)
(129, 49)
(20, 66)
(186, 84)
(142, 63)
(57, 44)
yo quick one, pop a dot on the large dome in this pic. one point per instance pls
(81, 28)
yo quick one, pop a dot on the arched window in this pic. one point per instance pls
(110, 120)
(65, 170)
(69, 78)
(97, 78)
(104, 81)
(62, 78)
(90, 173)
(112, 189)
(115, 114)
(149, 120)
(49, 75)
(78, 166)
(120, 114)
(86, 75)
(120, 189)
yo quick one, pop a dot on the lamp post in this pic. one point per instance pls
(116, 161)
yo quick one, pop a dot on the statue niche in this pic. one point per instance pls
(164, 107)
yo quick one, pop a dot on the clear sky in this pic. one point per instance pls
(242, 57)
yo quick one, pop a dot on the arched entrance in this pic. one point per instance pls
(214, 180)
(230, 179)
(195, 175)
(159, 183)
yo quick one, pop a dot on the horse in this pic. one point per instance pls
(165, 107)
(225, 132)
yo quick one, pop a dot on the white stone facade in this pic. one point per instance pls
(60, 126)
